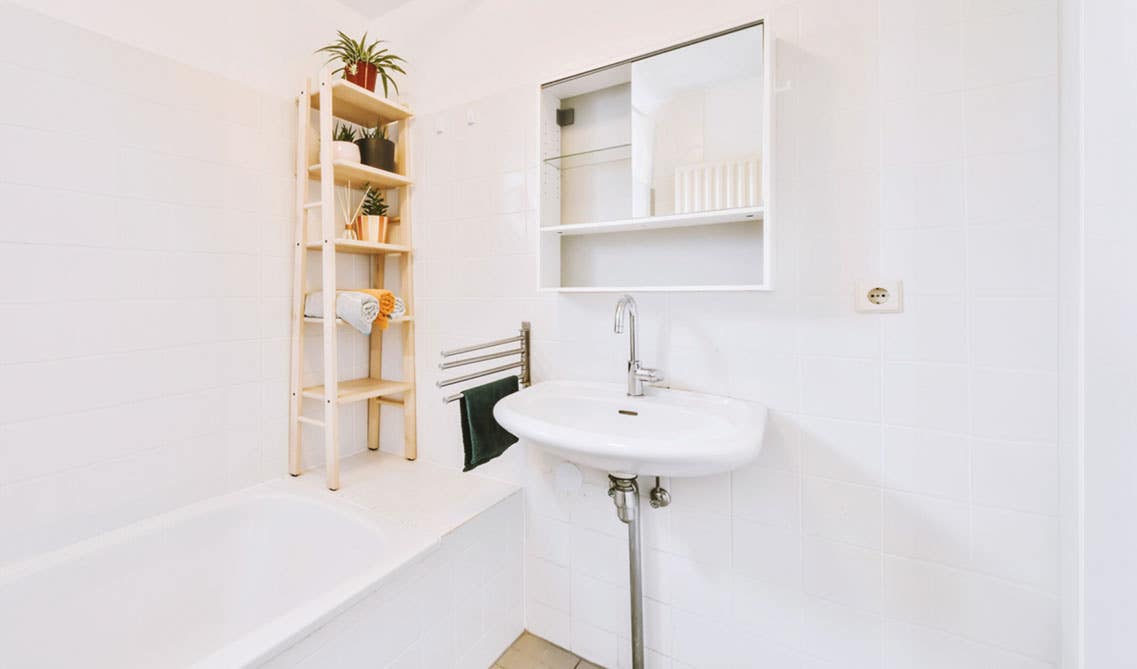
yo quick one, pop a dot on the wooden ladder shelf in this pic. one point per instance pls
(339, 99)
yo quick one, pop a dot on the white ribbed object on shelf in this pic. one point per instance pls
(721, 185)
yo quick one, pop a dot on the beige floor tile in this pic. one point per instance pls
(533, 652)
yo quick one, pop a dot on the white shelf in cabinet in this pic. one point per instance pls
(740, 288)
(717, 217)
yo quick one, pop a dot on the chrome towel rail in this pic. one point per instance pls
(522, 338)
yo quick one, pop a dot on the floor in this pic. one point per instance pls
(533, 652)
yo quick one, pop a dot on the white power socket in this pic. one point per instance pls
(879, 296)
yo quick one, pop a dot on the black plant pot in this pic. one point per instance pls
(377, 152)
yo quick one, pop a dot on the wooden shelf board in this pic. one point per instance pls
(340, 321)
(359, 174)
(365, 248)
(360, 106)
(361, 389)
(717, 217)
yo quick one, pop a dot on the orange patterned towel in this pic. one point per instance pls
(386, 304)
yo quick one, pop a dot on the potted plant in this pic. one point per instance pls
(343, 143)
(364, 64)
(373, 220)
(375, 149)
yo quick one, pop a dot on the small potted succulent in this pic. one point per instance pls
(373, 220)
(375, 149)
(364, 64)
(343, 144)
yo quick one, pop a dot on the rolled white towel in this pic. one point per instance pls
(400, 309)
(359, 310)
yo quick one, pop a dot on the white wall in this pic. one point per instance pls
(904, 512)
(267, 46)
(144, 254)
(1108, 210)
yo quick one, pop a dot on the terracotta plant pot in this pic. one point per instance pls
(377, 152)
(365, 74)
(374, 228)
(345, 151)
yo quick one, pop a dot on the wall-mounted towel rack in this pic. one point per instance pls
(522, 350)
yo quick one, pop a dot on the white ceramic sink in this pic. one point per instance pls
(663, 433)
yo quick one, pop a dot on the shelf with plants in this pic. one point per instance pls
(355, 104)
(366, 151)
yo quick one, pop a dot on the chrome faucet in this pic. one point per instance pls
(626, 308)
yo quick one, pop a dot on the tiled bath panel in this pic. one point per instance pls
(458, 606)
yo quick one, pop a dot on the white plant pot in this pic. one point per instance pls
(345, 151)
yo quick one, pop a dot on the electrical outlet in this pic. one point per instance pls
(879, 296)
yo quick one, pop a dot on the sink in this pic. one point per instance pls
(662, 433)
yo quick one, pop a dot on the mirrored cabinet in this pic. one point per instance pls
(655, 172)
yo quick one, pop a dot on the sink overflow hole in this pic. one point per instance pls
(627, 412)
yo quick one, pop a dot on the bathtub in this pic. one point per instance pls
(228, 582)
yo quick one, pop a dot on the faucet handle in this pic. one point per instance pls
(649, 374)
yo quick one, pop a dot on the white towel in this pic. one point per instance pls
(400, 308)
(359, 310)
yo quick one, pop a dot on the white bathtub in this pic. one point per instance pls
(226, 583)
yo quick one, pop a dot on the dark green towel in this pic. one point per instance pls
(482, 438)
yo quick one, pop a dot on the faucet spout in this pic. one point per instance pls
(626, 311)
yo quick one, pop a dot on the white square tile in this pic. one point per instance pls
(841, 450)
(1013, 261)
(1013, 117)
(1017, 546)
(1005, 48)
(839, 388)
(923, 195)
(1018, 476)
(1020, 333)
(927, 528)
(1015, 405)
(766, 552)
(925, 395)
(926, 462)
(931, 329)
(766, 495)
(842, 573)
(923, 128)
(842, 511)
(1014, 186)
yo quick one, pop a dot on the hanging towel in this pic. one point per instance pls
(359, 310)
(482, 438)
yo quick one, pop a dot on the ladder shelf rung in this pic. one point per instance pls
(362, 247)
(360, 389)
(310, 421)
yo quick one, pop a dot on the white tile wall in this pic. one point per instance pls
(144, 249)
(903, 512)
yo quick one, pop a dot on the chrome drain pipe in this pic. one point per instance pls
(625, 493)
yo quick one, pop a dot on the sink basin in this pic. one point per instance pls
(663, 433)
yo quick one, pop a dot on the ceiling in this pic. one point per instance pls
(373, 8)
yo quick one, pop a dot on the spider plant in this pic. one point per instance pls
(353, 52)
(378, 132)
